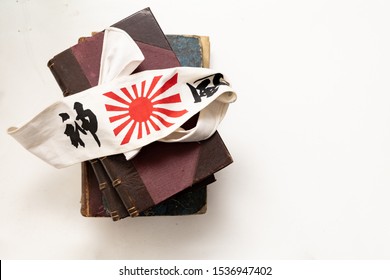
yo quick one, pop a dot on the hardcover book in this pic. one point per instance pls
(161, 170)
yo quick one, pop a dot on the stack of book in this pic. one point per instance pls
(163, 178)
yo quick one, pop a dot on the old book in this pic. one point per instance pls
(191, 51)
(144, 181)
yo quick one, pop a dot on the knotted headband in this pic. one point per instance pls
(126, 111)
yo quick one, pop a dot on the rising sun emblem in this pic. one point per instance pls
(142, 109)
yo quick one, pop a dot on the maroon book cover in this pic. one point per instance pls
(160, 170)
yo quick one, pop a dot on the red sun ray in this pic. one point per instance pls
(134, 87)
(170, 113)
(120, 127)
(170, 99)
(114, 96)
(167, 85)
(116, 108)
(118, 117)
(127, 93)
(152, 85)
(127, 137)
(164, 122)
(147, 128)
(155, 126)
(139, 130)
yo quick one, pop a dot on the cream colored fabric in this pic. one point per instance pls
(126, 112)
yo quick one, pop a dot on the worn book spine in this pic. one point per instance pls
(128, 198)
(111, 200)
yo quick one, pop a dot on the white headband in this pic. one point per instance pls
(126, 112)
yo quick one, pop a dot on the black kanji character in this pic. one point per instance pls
(88, 124)
(88, 120)
(73, 131)
(204, 89)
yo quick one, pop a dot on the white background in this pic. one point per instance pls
(309, 134)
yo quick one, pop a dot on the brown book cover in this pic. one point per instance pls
(160, 170)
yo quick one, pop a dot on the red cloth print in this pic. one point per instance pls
(140, 109)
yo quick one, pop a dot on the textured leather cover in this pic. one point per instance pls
(143, 181)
